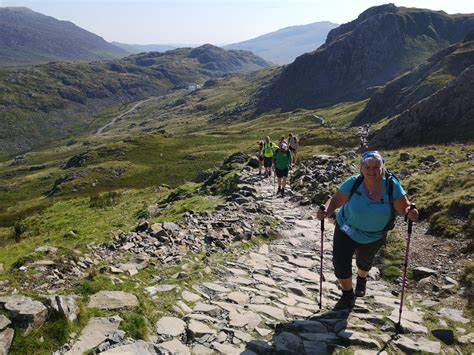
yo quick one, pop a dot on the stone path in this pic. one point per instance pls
(267, 300)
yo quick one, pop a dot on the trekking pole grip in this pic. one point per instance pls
(410, 222)
(322, 208)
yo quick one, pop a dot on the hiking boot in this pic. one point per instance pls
(259, 173)
(282, 192)
(360, 286)
(347, 300)
(270, 173)
(279, 190)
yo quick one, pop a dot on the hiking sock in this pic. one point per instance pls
(346, 301)
(360, 286)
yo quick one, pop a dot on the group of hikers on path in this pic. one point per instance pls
(367, 205)
(279, 156)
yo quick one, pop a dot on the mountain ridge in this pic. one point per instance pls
(28, 37)
(380, 44)
(284, 45)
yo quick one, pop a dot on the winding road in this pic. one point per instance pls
(115, 119)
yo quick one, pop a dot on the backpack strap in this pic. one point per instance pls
(356, 185)
(389, 177)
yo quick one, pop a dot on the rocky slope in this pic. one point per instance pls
(405, 91)
(28, 37)
(284, 45)
(58, 99)
(380, 44)
(445, 116)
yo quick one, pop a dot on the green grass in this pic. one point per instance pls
(53, 334)
(441, 191)
(392, 255)
(135, 325)
(53, 225)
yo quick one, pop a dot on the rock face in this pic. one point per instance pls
(445, 116)
(417, 84)
(369, 51)
(113, 300)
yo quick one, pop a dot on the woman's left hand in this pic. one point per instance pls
(412, 214)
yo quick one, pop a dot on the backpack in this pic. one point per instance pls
(268, 149)
(389, 176)
(293, 142)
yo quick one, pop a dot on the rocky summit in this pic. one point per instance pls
(263, 299)
(382, 43)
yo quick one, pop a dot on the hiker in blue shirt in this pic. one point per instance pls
(366, 215)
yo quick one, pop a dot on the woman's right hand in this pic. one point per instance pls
(320, 214)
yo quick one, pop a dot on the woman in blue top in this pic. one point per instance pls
(361, 223)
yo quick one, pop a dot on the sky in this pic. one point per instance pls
(209, 21)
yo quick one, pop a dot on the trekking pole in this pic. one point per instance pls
(398, 326)
(321, 276)
(274, 183)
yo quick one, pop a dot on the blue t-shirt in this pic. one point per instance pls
(364, 219)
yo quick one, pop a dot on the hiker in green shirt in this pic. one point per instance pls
(268, 151)
(282, 165)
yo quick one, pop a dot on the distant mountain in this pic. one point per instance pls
(139, 48)
(383, 42)
(283, 46)
(431, 104)
(53, 100)
(28, 37)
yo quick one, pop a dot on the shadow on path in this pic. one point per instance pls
(316, 334)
